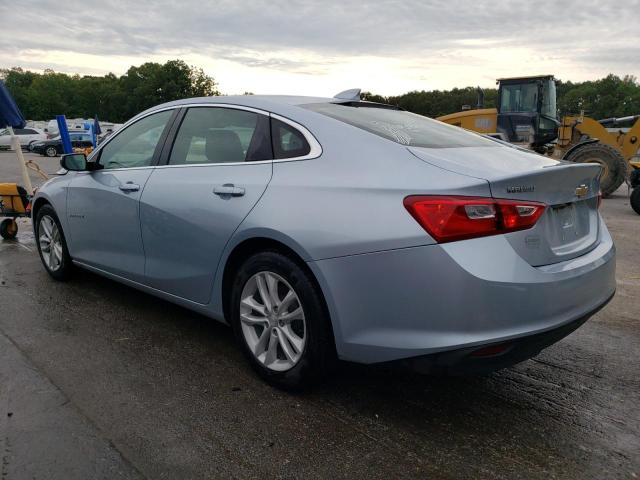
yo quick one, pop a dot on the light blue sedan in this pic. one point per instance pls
(331, 228)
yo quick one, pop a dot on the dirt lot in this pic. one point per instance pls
(101, 381)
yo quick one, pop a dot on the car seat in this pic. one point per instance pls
(223, 146)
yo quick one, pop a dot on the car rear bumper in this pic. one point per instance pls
(420, 301)
(487, 358)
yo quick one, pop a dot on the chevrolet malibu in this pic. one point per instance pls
(332, 228)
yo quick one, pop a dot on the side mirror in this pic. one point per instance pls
(75, 162)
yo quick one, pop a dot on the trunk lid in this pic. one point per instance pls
(570, 225)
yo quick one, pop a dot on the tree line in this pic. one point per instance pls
(41, 96)
(611, 96)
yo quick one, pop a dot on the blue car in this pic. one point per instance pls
(325, 229)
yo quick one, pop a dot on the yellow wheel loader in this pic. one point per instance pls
(526, 116)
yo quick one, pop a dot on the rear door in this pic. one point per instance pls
(216, 170)
(103, 205)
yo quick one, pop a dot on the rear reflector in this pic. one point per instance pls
(448, 219)
(491, 350)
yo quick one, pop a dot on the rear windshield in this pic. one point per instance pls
(401, 127)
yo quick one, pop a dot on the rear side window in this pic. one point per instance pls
(287, 141)
(401, 127)
(221, 135)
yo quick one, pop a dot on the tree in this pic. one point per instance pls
(44, 95)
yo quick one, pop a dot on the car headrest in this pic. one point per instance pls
(223, 146)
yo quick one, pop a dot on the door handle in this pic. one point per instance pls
(228, 189)
(129, 187)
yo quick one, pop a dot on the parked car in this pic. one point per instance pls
(25, 135)
(53, 147)
(326, 228)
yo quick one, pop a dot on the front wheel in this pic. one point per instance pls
(52, 245)
(279, 318)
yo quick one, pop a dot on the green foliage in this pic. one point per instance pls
(611, 96)
(43, 96)
(437, 102)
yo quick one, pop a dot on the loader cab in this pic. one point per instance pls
(527, 110)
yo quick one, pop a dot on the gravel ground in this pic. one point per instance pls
(101, 381)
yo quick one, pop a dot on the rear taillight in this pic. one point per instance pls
(599, 199)
(448, 219)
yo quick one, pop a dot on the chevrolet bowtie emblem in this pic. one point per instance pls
(582, 190)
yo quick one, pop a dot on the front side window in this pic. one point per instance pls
(135, 145)
(221, 135)
(401, 127)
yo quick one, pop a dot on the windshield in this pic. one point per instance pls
(401, 127)
(519, 98)
(549, 99)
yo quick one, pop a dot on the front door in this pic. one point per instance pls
(190, 208)
(103, 204)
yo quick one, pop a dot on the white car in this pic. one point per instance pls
(25, 135)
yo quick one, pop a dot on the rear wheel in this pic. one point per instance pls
(8, 229)
(52, 246)
(51, 152)
(613, 164)
(635, 200)
(279, 318)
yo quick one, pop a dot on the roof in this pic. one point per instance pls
(275, 103)
(530, 77)
(255, 100)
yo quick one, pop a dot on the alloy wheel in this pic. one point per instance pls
(272, 320)
(50, 243)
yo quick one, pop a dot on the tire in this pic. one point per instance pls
(51, 152)
(8, 229)
(315, 354)
(614, 164)
(62, 269)
(635, 200)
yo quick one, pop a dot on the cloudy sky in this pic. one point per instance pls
(322, 47)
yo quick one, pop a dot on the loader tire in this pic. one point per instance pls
(613, 164)
(635, 200)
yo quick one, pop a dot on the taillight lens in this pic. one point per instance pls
(448, 219)
(599, 199)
